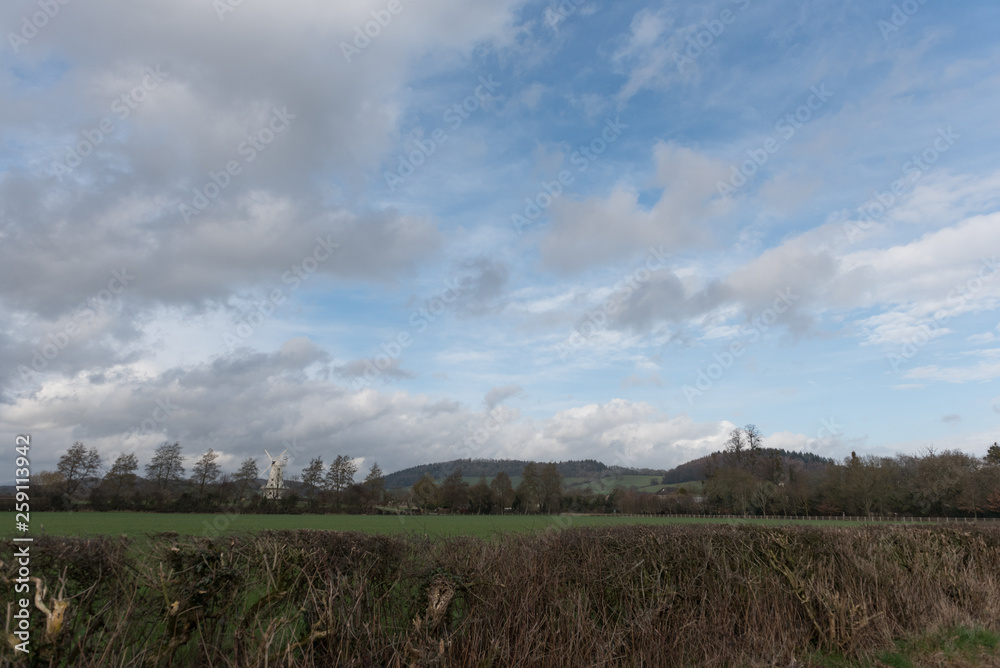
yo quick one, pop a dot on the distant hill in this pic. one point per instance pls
(696, 468)
(582, 470)
(474, 468)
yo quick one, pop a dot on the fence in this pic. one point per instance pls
(812, 518)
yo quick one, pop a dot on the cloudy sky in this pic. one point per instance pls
(412, 231)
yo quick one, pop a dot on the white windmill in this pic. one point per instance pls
(275, 476)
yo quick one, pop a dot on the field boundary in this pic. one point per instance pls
(813, 518)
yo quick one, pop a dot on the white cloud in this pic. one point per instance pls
(596, 230)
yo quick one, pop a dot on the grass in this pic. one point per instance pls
(955, 647)
(131, 524)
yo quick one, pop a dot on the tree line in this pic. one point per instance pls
(746, 478)
(749, 479)
(167, 486)
(540, 491)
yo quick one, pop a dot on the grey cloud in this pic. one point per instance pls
(221, 82)
(481, 289)
(243, 402)
(663, 299)
(443, 406)
(56, 263)
(500, 393)
(356, 369)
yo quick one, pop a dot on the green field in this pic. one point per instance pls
(87, 523)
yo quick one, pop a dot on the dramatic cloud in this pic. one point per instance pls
(463, 229)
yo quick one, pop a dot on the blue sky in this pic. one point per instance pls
(515, 229)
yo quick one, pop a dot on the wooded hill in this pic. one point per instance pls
(474, 468)
(694, 470)
(697, 469)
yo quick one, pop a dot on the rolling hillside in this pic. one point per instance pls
(472, 469)
(696, 469)
(594, 474)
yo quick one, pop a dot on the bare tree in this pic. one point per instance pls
(454, 490)
(550, 488)
(122, 475)
(736, 449)
(77, 465)
(426, 492)
(530, 489)
(206, 470)
(861, 484)
(246, 477)
(503, 490)
(375, 483)
(166, 466)
(481, 497)
(733, 487)
(340, 476)
(312, 477)
(764, 496)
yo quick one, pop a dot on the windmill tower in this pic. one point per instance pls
(275, 476)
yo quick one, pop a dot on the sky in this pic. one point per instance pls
(410, 231)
